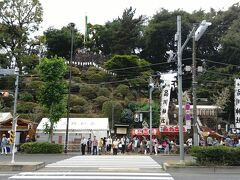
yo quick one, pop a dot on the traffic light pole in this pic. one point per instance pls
(14, 123)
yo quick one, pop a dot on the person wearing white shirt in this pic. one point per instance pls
(83, 145)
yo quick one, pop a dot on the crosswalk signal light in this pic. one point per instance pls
(12, 136)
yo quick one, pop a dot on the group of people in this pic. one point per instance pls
(142, 145)
(107, 145)
(225, 141)
(213, 141)
(104, 145)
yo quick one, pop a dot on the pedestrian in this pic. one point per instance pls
(100, 146)
(115, 146)
(89, 146)
(209, 141)
(95, 144)
(144, 145)
(109, 144)
(28, 139)
(189, 142)
(123, 142)
(83, 145)
(4, 143)
(156, 146)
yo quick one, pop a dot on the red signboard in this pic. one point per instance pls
(171, 129)
(145, 132)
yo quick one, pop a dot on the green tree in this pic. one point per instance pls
(114, 108)
(18, 18)
(53, 90)
(127, 36)
(132, 63)
(58, 41)
(158, 36)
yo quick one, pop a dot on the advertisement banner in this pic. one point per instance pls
(187, 115)
(164, 119)
(237, 103)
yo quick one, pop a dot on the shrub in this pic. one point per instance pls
(216, 155)
(26, 107)
(26, 96)
(77, 100)
(100, 100)
(122, 90)
(103, 92)
(41, 147)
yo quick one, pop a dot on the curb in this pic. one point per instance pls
(21, 166)
(201, 169)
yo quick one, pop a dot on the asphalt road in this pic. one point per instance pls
(52, 158)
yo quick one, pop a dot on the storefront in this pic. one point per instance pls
(171, 131)
(145, 132)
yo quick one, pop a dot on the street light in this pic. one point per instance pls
(69, 88)
(197, 34)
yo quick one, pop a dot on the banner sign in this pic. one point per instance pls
(164, 119)
(187, 115)
(145, 132)
(237, 103)
(171, 129)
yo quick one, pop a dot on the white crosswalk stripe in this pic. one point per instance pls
(100, 168)
(107, 162)
(93, 175)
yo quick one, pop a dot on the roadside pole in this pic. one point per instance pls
(180, 109)
(14, 123)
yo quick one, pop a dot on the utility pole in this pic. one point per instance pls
(151, 88)
(194, 84)
(180, 109)
(69, 89)
(14, 123)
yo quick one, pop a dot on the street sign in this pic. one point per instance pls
(7, 71)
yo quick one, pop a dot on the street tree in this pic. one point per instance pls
(18, 19)
(54, 89)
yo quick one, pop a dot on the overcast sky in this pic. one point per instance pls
(59, 13)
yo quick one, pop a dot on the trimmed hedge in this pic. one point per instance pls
(41, 148)
(216, 155)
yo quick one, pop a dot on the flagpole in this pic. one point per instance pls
(86, 30)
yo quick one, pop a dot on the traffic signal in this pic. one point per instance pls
(11, 137)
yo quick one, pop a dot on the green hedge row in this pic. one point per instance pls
(41, 148)
(216, 155)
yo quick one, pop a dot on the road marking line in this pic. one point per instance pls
(91, 177)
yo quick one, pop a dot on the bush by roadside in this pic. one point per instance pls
(41, 148)
(216, 155)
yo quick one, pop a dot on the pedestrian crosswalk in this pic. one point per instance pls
(100, 168)
(92, 175)
(107, 162)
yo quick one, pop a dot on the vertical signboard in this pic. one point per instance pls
(164, 119)
(237, 103)
(187, 115)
